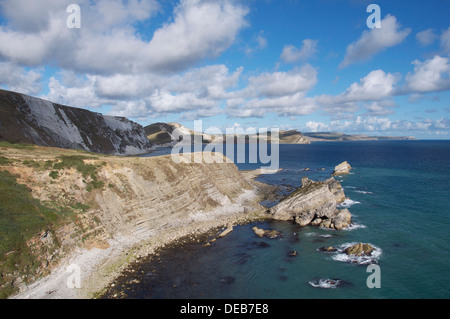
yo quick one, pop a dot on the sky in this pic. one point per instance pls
(289, 64)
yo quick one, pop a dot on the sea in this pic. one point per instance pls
(398, 193)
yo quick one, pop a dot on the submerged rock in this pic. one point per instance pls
(341, 169)
(328, 249)
(266, 233)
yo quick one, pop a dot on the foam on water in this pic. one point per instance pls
(340, 255)
(363, 192)
(354, 226)
(325, 283)
(348, 203)
(312, 234)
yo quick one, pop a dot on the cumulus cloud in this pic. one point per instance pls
(380, 108)
(430, 75)
(445, 40)
(109, 43)
(376, 86)
(283, 93)
(426, 37)
(381, 125)
(374, 41)
(260, 43)
(283, 83)
(19, 79)
(292, 54)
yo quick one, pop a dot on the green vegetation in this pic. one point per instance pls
(21, 218)
(86, 170)
(54, 174)
(31, 164)
(20, 146)
(4, 160)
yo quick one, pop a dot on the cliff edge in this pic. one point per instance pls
(97, 213)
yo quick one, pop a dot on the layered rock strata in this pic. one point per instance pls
(315, 204)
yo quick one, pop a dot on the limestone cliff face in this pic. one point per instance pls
(26, 119)
(314, 203)
(134, 201)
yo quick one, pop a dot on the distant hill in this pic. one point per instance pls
(26, 119)
(161, 134)
(340, 137)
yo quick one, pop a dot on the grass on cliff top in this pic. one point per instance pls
(86, 170)
(21, 218)
(20, 146)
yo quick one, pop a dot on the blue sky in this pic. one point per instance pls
(306, 65)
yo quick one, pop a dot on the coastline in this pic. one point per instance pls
(100, 267)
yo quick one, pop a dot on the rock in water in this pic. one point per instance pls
(266, 233)
(341, 169)
(314, 203)
(342, 220)
(228, 230)
(360, 249)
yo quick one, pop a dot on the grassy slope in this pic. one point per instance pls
(23, 218)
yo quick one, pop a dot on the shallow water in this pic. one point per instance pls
(400, 201)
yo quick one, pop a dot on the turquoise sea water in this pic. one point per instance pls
(400, 202)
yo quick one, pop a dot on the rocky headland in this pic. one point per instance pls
(315, 203)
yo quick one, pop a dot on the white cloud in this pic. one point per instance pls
(374, 41)
(283, 83)
(381, 126)
(292, 54)
(445, 40)
(200, 29)
(380, 108)
(109, 43)
(375, 86)
(426, 37)
(19, 79)
(429, 76)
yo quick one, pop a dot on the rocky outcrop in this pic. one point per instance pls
(315, 204)
(266, 233)
(360, 249)
(342, 169)
(26, 119)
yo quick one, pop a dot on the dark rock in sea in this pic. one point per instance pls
(227, 280)
(283, 278)
(262, 244)
(241, 258)
(327, 249)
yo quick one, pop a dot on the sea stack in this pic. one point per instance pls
(315, 203)
(341, 169)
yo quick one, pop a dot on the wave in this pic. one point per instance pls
(312, 234)
(325, 283)
(352, 187)
(373, 258)
(363, 192)
(354, 226)
(348, 203)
